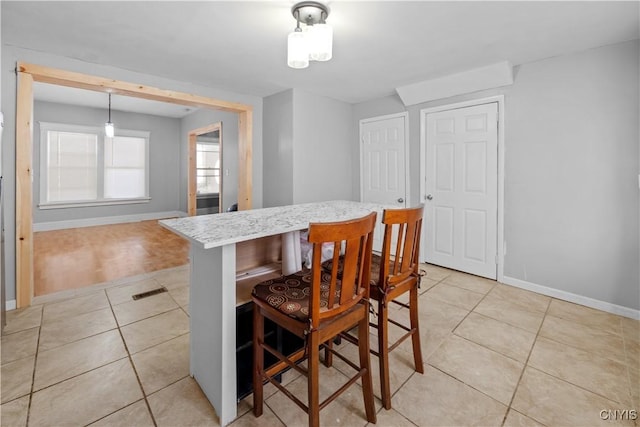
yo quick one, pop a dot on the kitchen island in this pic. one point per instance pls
(217, 242)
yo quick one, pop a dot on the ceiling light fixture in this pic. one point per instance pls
(314, 41)
(109, 129)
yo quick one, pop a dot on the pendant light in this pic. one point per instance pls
(314, 42)
(109, 129)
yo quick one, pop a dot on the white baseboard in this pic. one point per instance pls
(577, 299)
(90, 222)
(10, 305)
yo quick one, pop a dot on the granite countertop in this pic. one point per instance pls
(215, 230)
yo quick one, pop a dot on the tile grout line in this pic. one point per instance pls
(452, 333)
(581, 387)
(35, 361)
(627, 358)
(524, 367)
(270, 408)
(524, 364)
(133, 366)
(128, 355)
(396, 392)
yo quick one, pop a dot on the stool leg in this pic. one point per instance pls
(258, 360)
(383, 351)
(328, 356)
(365, 362)
(314, 377)
(415, 338)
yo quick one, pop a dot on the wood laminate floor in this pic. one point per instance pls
(80, 257)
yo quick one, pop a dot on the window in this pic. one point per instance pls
(125, 167)
(208, 168)
(80, 166)
(72, 166)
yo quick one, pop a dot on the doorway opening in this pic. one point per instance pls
(205, 170)
(30, 73)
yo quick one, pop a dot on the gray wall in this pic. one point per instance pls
(308, 148)
(202, 118)
(164, 157)
(572, 205)
(322, 155)
(277, 134)
(13, 54)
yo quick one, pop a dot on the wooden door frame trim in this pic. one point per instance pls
(30, 73)
(192, 166)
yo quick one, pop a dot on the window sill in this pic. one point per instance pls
(109, 202)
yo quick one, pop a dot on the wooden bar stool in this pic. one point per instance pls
(394, 273)
(317, 305)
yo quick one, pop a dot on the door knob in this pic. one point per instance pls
(429, 197)
(400, 200)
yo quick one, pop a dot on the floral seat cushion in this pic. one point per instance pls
(290, 294)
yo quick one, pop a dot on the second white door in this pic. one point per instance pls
(462, 189)
(383, 164)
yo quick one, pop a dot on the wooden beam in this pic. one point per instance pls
(191, 179)
(24, 205)
(103, 84)
(245, 143)
(27, 74)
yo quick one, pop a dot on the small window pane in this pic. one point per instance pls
(123, 152)
(72, 166)
(124, 183)
(125, 167)
(208, 168)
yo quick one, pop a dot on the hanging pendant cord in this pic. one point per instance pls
(109, 107)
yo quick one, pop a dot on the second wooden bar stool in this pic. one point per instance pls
(317, 305)
(394, 273)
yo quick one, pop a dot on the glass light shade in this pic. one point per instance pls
(297, 50)
(321, 42)
(109, 130)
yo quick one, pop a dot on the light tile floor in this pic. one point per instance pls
(494, 355)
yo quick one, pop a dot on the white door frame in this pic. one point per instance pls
(405, 115)
(501, 246)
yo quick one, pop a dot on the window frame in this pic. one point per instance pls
(203, 141)
(45, 127)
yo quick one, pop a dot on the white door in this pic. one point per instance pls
(383, 163)
(461, 203)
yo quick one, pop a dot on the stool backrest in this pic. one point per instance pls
(401, 245)
(352, 285)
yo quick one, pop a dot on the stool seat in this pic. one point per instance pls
(290, 294)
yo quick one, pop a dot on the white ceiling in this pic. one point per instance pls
(378, 46)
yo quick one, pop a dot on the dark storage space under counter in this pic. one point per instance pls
(279, 338)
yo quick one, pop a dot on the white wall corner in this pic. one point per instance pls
(574, 298)
(10, 305)
(488, 77)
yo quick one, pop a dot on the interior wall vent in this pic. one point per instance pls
(149, 293)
